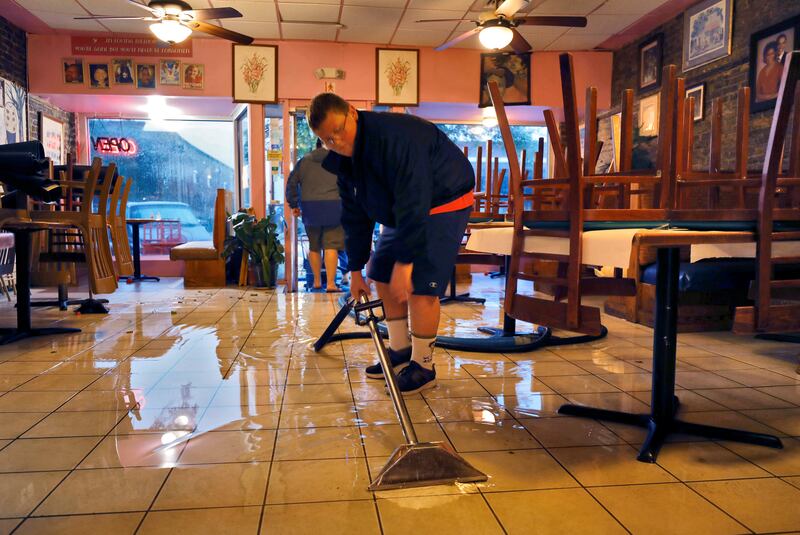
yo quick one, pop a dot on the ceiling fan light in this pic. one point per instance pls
(170, 31)
(495, 37)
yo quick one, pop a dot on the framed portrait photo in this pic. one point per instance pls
(146, 75)
(255, 73)
(512, 72)
(397, 77)
(99, 75)
(698, 92)
(648, 116)
(169, 72)
(651, 55)
(51, 134)
(72, 70)
(193, 75)
(707, 32)
(768, 49)
(123, 71)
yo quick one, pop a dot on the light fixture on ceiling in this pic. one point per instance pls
(170, 31)
(489, 119)
(496, 35)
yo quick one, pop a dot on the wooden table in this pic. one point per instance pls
(22, 229)
(608, 247)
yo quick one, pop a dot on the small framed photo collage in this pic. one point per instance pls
(125, 72)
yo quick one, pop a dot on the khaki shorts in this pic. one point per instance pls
(331, 237)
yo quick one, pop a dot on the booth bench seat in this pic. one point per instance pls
(194, 250)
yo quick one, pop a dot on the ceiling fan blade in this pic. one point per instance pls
(509, 7)
(444, 20)
(519, 44)
(139, 4)
(462, 37)
(213, 13)
(218, 31)
(110, 17)
(574, 22)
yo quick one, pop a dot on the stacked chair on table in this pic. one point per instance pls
(118, 227)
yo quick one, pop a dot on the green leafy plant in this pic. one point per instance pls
(259, 237)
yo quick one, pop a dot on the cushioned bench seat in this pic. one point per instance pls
(718, 274)
(194, 250)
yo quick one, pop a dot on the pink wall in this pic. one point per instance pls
(448, 76)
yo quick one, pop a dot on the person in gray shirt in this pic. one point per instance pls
(312, 192)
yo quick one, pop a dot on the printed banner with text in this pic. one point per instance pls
(128, 46)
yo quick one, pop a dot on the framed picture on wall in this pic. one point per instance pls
(255, 73)
(73, 70)
(98, 75)
(51, 134)
(512, 73)
(698, 92)
(651, 55)
(707, 32)
(193, 75)
(123, 71)
(169, 72)
(768, 49)
(146, 75)
(397, 77)
(648, 116)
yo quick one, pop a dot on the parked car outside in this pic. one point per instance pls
(191, 227)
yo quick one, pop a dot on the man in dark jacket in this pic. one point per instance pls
(312, 191)
(404, 173)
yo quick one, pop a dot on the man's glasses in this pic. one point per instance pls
(336, 135)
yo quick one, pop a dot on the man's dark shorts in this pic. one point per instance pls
(328, 237)
(431, 274)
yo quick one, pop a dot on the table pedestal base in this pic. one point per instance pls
(137, 278)
(459, 298)
(8, 336)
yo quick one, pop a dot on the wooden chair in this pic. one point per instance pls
(118, 226)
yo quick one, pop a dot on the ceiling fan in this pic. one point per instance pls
(498, 28)
(174, 20)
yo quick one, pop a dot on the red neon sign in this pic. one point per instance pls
(115, 145)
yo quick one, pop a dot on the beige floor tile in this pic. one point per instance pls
(609, 465)
(762, 505)
(552, 511)
(239, 418)
(228, 447)
(214, 485)
(69, 383)
(482, 409)
(455, 388)
(193, 521)
(118, 524)
(787, 393)
(336, 393)
(75, 424)
(381, 440)
(7, 526)
(703, 379)
(10, 382)
(733, 420)
(689, 401)
(532, 405)
(25, 455)
(578, 384)
(667, 509)
(715, 363)
(317, 376)
(338, 518)
(33, 401)
(13, 424)
(250, 395)
(519, 470)
(21, 493)
(303, 415)
(318, 443)
(501, 435)
(561, 432)
(784, 420)
(112, 490)
(615, 401)
(794, 481)
(783, 462)
(630, 382)
(373, 391)
(318, 481)
(513, 386)
(101, 400)
(443, 514)
(743, 398)
(382, 412)
(607, 365)
(705, 461)
(758, 377)
(129, 451)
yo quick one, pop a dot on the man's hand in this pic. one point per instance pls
(358, 285)
(296, 212)
(400, 285)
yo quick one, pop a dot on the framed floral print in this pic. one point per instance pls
(255, 73)
(397, 77)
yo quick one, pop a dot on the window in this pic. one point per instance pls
(176, 166)
(243, 159)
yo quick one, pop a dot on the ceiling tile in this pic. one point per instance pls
(577, 42)
(376, 3)
(53, 6)
(562, 7)
(308, 31)
(405, 36)
(629, 7)
(258, 30)
(263, 11)
(378, 33)
(306, 1)
(128, 26)
(357, 16)
(67, 22)
(605, 24)
(118, 9)
(540, 37)
(413, 15)
(315, 12)
(451, 5)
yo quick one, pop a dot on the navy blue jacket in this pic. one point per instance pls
(402, 166)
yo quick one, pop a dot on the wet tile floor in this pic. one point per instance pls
(207, 411)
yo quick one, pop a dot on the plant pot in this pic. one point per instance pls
(261, 279)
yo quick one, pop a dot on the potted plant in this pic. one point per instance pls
(259, 237)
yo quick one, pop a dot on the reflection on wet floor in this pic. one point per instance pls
(208, 411)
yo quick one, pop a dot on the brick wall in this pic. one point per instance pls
(36, 105)
(722, 78)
